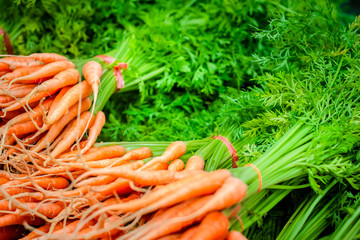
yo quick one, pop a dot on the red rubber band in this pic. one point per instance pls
(117, 70)
(7, 42)
(258, 173)
(230, 147)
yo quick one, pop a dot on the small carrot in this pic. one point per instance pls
(105, 152)
(214, 226)
(235, 235)
(94, 130)
(48, 70)
(135, 154)
(59, 125)
(20, 64)
(47, 57)
(195, 163)
(74, 95)
(6, 99)
(176, 165)
(189, 233)
(59, 96)
(76, 130)
(108, 222)
(19, 92)
(16, 219)
(27, 127)
(41, 231)
(20, 72)
(173, 151)
(36, 97)
(4, 67)
(92, 72)
(65, 78)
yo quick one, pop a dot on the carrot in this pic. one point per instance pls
(42, 230)
(135, 154)
(4, 67)
(59, 125)
(94, 130)
(92, 72)
(36, 97)
(189, 233)
(108, 222)
(77, 92)
(175, 236)
(59, 96)
(145, 178)
(3, 180)
(48, 70)
(19, 92)
(65, 78)
(235, 235)
(76, 130)
(195, 163)
(173, 151)
(25, 127)
(30, 139)
(16, 219)
(6, 99)
(20, 64)
(214, 226)
(47, 57)
(172, 193)
(37, 112)
(176, 165)
(105, 152)
(3, 73)
(49, 183)
(20, 72)
(232, 191)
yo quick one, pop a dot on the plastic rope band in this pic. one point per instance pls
(258, 173)
(230, 147)
(7, 42)
(117, 70)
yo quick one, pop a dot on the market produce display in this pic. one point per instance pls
(181, 120)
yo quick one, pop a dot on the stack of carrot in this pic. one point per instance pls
(59, 186)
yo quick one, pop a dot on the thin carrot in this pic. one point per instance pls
(36, 97)
(41, 231)
(77, 92)
(176, 165)
(47, 57)
(6, 99)
(235, 235)
(173, 151)
(16, 219)
(25, 127)
(108, 222)
(3, 73)
(4, 67)
(59, 96)
(135, 154)
(20, 72)
(19, 92)
(76, 130)
(59, 125)
(65, 78)
(48, 70)
(175, 236)
(92, 72)
(195, 163)
(20, 64)
(189, 233)
(214, 226)
(94, 130)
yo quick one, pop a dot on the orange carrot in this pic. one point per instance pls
(59, 125)
(19, 92)
(176, 165)
(76, 93)
(108, 222)
(48, 70)
(195, 163)
(20, 72)
(4, 67)
(92, 72)
(47, 57)
(214, 226)
(76, 130)
(42, 230)
(59, 96)
(94, 130)
(6, 99)
(16, 219)
(36, 97)
(65, 78)
(105, 152)
(173, 151)
(25, 127)
(175, 236)
(189, 233)
(235, 235)
(20, 64)
(135, 154)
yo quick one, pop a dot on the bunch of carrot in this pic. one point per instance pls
(57, 184)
